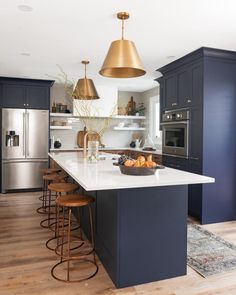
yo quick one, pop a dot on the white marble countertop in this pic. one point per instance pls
(71, 149)
(103, 175)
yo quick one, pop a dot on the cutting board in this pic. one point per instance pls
(80, 138)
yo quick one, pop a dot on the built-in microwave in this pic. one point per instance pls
(175, 130)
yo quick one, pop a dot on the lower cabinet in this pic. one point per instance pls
(194, 190)
(176, 163)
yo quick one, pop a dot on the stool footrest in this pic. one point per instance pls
(68, 280)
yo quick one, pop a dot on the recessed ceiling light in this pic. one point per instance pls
(25, 8)
(170, 56)
(25, 54)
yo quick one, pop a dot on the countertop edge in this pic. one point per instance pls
(134, 185)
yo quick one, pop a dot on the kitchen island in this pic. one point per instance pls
(140, 221)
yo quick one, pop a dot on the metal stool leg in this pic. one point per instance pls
(67, 257)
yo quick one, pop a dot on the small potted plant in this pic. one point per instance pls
(139, 111)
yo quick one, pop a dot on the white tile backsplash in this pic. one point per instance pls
(111, 138)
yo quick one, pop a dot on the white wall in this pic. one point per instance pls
(60, 95)
(146, 96)
(105, 106)
(124, 98)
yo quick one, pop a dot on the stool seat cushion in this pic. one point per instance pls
(63, 187)
(50, 170)
(55, 176)
(75, 200)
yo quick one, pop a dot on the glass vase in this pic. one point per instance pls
(93, 153)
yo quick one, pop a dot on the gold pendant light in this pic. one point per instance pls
(85, 89)
(122, 60)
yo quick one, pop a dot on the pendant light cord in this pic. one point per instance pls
(85, 71)
(122, 30)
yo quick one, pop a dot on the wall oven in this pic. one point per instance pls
(175, 129)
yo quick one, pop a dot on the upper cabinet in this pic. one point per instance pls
(184, 85)
(170, 99)
(181, 88)
(13, 96)
(105, 106)
(25, 93)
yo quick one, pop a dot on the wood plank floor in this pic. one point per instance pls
(25, 262)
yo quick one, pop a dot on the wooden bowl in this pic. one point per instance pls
(139, 171)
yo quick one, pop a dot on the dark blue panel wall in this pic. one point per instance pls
(219, 140)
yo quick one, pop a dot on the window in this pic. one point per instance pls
(154, 119)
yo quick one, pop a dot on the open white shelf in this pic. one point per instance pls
(129, 128)
(64, 115)
(129, 117)
(60, 127)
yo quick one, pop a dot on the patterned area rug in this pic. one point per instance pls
(209, 254)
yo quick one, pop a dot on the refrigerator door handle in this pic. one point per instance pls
(25, 161)
(27, 133)
(24, 135)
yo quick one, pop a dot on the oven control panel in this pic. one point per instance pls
(178, 115)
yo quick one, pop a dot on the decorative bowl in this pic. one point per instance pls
(138, 171)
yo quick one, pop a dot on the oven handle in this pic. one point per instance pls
(175, 122)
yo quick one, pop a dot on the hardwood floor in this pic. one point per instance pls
(25, 262)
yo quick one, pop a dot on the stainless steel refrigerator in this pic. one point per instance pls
(24, 148)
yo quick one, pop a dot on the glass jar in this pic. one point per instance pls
(93, 151)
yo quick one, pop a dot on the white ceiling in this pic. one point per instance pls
(65, 32)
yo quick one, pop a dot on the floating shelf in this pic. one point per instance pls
(129, 117)
(65, 115)
(129, 128)
(60, 127)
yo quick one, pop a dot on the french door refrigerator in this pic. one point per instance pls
(24, 148)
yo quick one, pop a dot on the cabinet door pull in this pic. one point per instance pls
(174, 104)
(189, 100)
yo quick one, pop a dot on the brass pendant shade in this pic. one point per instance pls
(122, 60)
(85, 88)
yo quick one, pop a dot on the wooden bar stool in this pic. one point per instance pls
(58, 189)
(45, 172)
(50, 170)
(71, 261)
(47, 179)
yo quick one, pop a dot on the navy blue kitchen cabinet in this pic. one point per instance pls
(161, 87)
(206, 85)
(13, 96)
(195, 190)
(184, 87)
(175, 162)
(181, 88)
(122, 214)
(25, 93)
(170, 99)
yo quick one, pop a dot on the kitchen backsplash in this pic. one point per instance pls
(111, 138)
